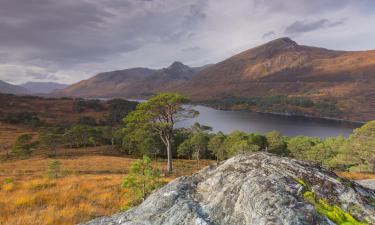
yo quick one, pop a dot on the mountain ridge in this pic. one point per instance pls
(43, 87)
(279, 67)
(8, 88)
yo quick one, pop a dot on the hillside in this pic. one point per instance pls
(33, 110)
(12, 89)
(43, 87)
(135, 82)
(340, 81)
(254, 189)
(282, 67)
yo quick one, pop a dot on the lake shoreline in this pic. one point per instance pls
(287, 114)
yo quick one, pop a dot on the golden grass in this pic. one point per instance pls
(90, 189)
(356, 175)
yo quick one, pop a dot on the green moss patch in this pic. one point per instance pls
(332, 212)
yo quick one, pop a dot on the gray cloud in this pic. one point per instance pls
(69, 40)
(305, 26)
(268, 34)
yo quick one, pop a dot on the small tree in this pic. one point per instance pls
(50, 139)
(54, 169)
(199, 143)
(185, 149)
(215, 146)
(22, 146)
(276, 143)
(159, 115)
(142, 179)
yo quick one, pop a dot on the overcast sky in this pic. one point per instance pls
(70, 40)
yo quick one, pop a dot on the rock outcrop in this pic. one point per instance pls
(254, 189)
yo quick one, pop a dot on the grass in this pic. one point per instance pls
(356, 175)
(90, 189)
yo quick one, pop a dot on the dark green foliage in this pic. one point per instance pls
(83, 105)
(87, 120)
(27, 118)
(78, 136)
(119, 108)
(215, 146)
(22, 146)
(327, 108)
(276, 143)
(299, 146)
(157, 116)
(51, 138)
(141, 180)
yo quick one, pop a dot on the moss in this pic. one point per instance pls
(301, 182)
(332, 212)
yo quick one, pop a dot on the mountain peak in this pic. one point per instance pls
(284, 42)
(178, 66)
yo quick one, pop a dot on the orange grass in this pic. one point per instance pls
(90, 189)
(356, 175)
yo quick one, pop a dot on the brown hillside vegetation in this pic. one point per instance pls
(135, 82)
(51, 110)
(280, 67)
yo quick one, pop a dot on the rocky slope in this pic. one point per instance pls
(254, 189)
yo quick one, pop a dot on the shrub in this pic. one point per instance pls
(141, 180)
(83, 105)
(54, 169)
(22, 146)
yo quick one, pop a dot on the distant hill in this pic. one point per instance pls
(12, 89)
(280, 67)
(133, 82)
(43, 87)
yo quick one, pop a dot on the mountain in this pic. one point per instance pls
(133, 82)
(341, 83)
(283, 66)
(12, 89)
(256, 189)
(43, 87)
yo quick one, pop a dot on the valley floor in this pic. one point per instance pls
(88, 188)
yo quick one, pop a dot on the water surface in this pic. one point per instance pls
(228, 121)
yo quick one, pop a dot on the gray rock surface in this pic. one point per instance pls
(370, 183)
(252, 189)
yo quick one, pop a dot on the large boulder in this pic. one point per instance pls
(254, 189)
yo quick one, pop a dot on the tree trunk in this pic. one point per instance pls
(169, 155)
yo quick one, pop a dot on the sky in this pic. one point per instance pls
(70, 40)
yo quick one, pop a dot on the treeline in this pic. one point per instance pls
(355, 153)
(278, 103)
(149, 130)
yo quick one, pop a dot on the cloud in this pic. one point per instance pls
(305, 26)
(71, 40)
(268, 34)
